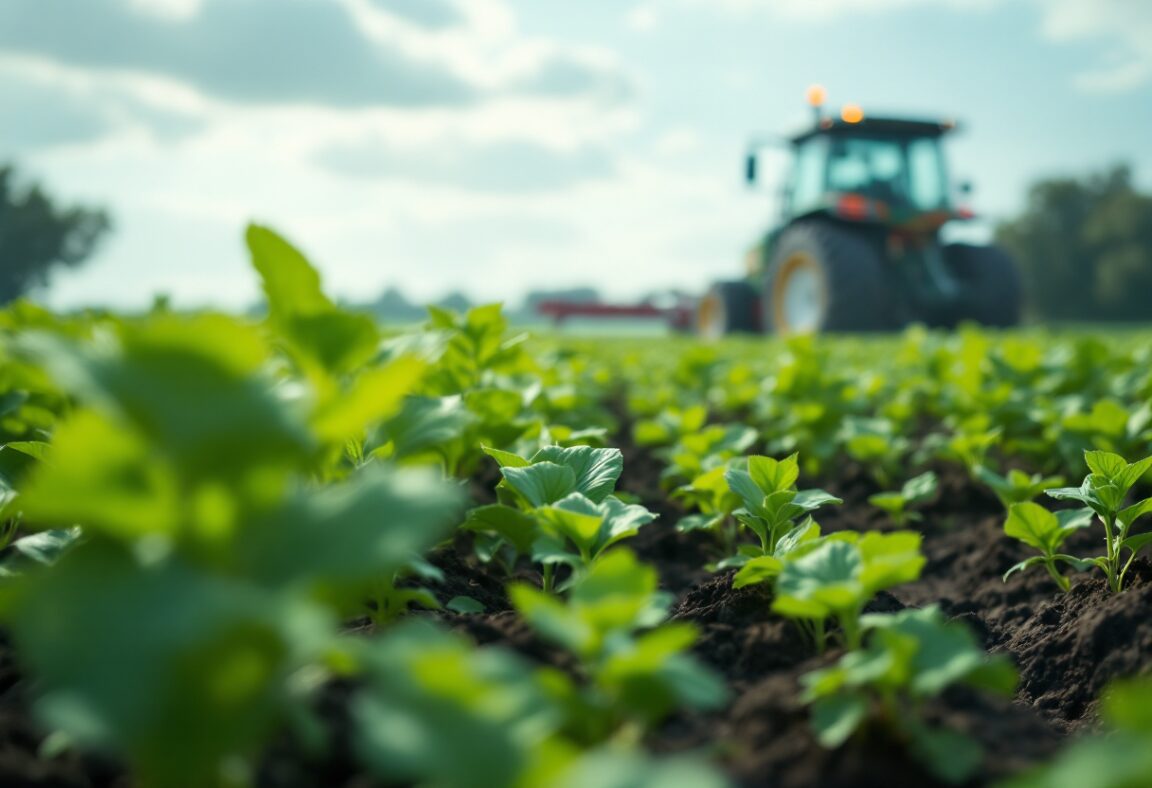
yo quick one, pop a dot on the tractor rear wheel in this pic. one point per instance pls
(728, 308)
(991, 293)
(823, 277)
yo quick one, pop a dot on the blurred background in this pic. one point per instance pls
(459, 151)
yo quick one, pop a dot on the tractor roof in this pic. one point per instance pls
(877, 127)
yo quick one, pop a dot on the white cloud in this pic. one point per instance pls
(643, 18)
(1127, 24)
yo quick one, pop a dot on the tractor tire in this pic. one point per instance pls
(823, 277)
(991, 292)
(728, 308)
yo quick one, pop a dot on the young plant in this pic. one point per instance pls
(638, 669)
(710, 494)
(1103, 491)
(771, 501)
(839, 577)
(917, 489)
(909, 658)
(557, 507)
(1046, 531)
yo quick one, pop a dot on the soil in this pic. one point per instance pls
(1067, 647)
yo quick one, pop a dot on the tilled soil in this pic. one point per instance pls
(1067, 647)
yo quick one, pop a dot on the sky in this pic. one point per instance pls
(499, 146)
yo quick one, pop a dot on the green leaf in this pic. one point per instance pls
(761, 569)
(518, 528)
(1137, 543)
(1037, 527)
(1132, 474)
(950, 755)
(465, 605)
(920, 487)
(541, 483)
(891, 502)
(348, 534)
(424, 424)
(772, 475)
(290, 282)
(820, 583)
(506, 459)
(810, 500)
(1129, 515)
(596, 470)
(889, 559)
(1105, 463)
(834, 719)
(741, 483)
(1026, 564)
(376, 394)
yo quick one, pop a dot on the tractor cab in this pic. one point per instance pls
(875, 170)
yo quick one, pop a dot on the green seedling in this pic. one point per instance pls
(1104, 491)
(839, 577)
(1046, 531)
(710, 494)
(557, 507)
(771, 501)
(638, 669)
(917, 489)
(909, 658)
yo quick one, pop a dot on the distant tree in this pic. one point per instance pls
(456, 301)
(37, 236)
(394, 307)
(1085, 247)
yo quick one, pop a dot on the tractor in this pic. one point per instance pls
(858, 246)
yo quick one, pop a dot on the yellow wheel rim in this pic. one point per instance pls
(710, 317)
(799, 295)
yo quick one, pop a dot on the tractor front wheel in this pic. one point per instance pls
(728, 308)
(824, 277)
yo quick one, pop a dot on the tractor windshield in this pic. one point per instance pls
(899, 171)
(903, 171)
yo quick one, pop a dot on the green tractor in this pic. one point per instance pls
(858, 247)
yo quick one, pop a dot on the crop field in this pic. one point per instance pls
(301, 551)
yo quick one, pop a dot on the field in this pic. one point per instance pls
(301, 551)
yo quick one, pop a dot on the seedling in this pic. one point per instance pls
(909, 657)
(1103, 491)
(710, 494)
(917, 489)
(839, 577)
(1046, 531)
(638, 669)
(558, 508)
(771, 501)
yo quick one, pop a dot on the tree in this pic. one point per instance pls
(37, 236)
(1085, 247)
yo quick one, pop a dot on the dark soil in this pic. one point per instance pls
(1067, 646)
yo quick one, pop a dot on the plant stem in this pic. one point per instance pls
(1111, 559)
(546, 584)
(1064, 583)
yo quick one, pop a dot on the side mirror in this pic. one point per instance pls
(750, 168)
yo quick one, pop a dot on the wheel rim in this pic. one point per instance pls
(710, 317)
(798, 295)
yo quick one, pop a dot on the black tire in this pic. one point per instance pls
(990, 288)
(852, 290)
(728, 308)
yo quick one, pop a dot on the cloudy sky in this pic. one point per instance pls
(500, 145)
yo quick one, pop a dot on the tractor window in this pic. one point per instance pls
(929, 183)
(873, 167)
(808, 175)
